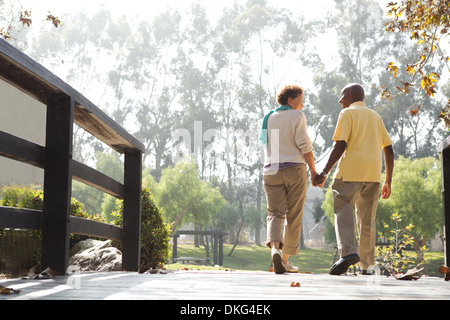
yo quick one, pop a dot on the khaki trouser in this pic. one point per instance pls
(286, 195)
(362, 196)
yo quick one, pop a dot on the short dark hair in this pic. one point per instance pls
(288, 91)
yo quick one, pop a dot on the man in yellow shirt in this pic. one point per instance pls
(360, 137)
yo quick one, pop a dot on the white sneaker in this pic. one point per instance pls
(289, 267)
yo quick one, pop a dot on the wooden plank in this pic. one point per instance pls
(21, 150)
(218, 287)
(57, 183)
(94, 228)
(20, 218)
(131, 244)
(96, 179)
(102, 127)
(32, 78)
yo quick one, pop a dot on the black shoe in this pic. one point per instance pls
(343, 264)
(367, 273)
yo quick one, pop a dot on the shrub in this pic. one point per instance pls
(396, 257)
(155, 233)
(20, 249)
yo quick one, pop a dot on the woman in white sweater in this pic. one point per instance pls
(288, 149)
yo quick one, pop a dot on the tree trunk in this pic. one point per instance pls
(238, 232)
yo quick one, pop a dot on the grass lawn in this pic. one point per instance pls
(257, 258)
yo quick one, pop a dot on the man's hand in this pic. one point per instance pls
(389, 162)
(319, 181)
(336, 154)
(386, 191)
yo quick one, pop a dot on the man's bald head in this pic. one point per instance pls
(351, 93)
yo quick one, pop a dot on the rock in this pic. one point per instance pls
(84, 245)
(99, 256)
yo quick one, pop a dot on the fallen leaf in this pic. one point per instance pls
(446, 271)
(49, 272)
(410, 274)
(30, 274)
(295, 284)
(4, 290)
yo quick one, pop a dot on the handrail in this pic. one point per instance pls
(66, 107)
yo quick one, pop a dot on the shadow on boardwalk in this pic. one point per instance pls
(224, 285)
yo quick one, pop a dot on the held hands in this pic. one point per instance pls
(319, 180)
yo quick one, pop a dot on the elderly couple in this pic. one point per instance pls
(360, 138)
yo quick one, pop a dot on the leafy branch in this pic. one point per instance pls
(22, 16)
(427, 23)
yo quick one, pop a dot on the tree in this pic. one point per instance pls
(184, 198)
(147, 64)
(428, 24)
(96, 201)
(416, 197)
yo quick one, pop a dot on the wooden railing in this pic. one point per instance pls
(444, 149)
(217, 243)
(66, 106)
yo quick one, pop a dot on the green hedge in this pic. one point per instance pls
(155, 233)
(21, 249)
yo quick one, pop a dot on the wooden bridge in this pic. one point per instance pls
(66, 106)
(183, 287)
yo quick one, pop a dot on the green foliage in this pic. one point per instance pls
(93, 199)
(416, 196)
(155, 233)
(426, 23)
(21, 249)
(22, 197)
(396, 257)
(184, 197)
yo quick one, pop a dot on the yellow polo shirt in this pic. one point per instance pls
(365, 134)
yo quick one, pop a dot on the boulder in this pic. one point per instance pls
(84, 245)
(93, 255)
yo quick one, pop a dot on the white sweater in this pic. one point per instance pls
(288, 138)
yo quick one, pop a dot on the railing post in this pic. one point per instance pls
(445, 162)
(174, 247)
(57, 182)
(131, 244)
(221, 249)
(216, 243)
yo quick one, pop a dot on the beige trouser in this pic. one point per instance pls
(362, 196)
(286, 195)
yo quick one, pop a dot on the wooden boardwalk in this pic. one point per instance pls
(224, 285)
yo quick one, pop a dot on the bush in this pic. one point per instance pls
(397, 256)
(155, 233)
(21, 249)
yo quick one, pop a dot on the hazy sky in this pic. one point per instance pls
(57, 7)
(326, 43)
